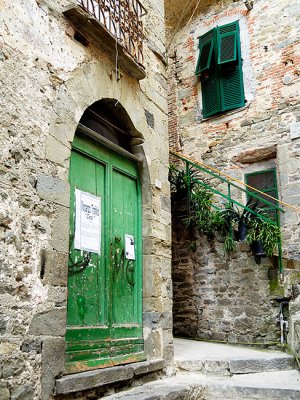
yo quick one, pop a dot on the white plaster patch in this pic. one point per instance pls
(295, 130)
(39, 293)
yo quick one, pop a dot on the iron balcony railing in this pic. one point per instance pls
(239, 187)
(123, 19)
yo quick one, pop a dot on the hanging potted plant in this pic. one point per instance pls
(263, 236)
(200, 213)
(238, 220)
(180, 181)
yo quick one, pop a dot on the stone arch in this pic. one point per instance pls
(90, 83)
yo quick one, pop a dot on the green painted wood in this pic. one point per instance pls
(206, 46)
(124, 221)
(85, 365)
(105, 299)
(84, 307)
(222, 77)
(232, 87)
(228, 37)
(211, 100)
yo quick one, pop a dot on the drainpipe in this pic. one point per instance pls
(284, 325)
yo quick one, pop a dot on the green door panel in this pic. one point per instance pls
(124, 220)
(84, 307)
(105, 298)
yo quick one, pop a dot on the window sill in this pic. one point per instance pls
(92, 29)
(226, 115)
(100, 377)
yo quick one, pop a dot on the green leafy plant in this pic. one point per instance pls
(229, 244)
(180, 181)
(200, 210)
(206, 220)
(236, 219)
(265, 231)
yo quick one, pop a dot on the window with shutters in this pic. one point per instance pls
(220, 69)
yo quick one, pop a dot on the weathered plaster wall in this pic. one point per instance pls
(258, 135)
(47, 80)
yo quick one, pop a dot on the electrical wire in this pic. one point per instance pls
(183, 15)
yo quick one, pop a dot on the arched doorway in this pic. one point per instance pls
(104, 319)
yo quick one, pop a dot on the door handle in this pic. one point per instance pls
(79, 266)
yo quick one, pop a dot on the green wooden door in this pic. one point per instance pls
(104, 325)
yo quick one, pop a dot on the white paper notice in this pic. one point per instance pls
(129, 247)
(87, 222)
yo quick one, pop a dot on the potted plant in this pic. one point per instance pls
(263, 236)
(180, 181)
(237, 220)
(200, 213)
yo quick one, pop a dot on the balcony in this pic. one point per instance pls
(114, 25)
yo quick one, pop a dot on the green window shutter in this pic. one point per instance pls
(206, 46)
(231, 74)
(231, 87)
(228, 36)
(210, 95)
(221, 66)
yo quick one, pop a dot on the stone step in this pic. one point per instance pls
(279, 385)
(165, 389)
(221, 359)
(283, 385)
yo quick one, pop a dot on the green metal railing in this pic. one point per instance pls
(191, 165)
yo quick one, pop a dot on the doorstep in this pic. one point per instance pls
(100, 377)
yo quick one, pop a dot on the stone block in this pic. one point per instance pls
(12, 367)
(165, 203)
(54, 270)
(58, 295)
(49, 323)
(31, 345)
(148, 366)
(3, 323)
(57, 152)
(153, 344)
(4, 393)
(22, 392)
(53, 363)
(184, 93)
(60, 230)
(53, 189)
(93, 379)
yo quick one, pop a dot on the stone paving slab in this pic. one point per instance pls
(100, 377)
(268, 385)
(185, 349)
(221, 359)
(190, 386)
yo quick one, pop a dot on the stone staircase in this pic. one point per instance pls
(208, 371)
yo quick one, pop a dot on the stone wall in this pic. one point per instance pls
(221, 297)
(264, 132)
(48, 79)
